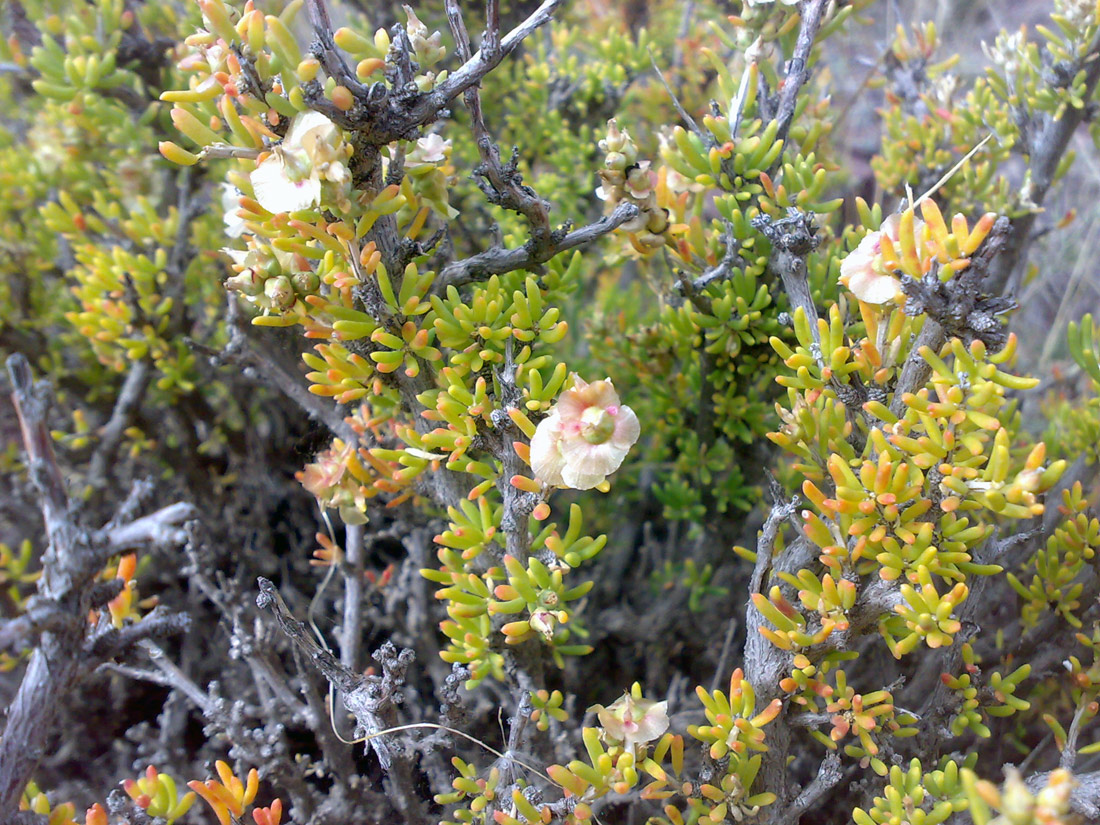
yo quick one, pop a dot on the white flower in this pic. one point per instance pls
(633, 721)
(430, 149)
(234, 223)
(585, 438)
(313, 152)
(864, 272)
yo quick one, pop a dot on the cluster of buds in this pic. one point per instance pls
(625, 178)
(269, 278)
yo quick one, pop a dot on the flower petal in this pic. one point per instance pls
(872, 288)
(276, 193)
(581, 478)
(308, 127)
(234, 223)
(587, 465)
(652, 721)
(238, 256)
(627, 428)
(547, 461)
(575, 401)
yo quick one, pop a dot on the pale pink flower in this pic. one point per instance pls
(585, 438)
(863, 271)
(633, 721)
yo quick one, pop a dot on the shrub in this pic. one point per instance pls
(651, 403)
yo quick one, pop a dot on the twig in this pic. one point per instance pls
(915, 370)
(31, 405)
(381, 117)
(828, 776)
(502, 184)
(517, 504)
(720, 271)
(341, 677)
(957, 308)
(765, 663)
(706, 136)
(369, 698)
(1046, 154)
(162, 527)
(129, 399)
(218, 151)
(478, 65)
(792, 238)
(352, 569)
(798, 70)
(499, 260)
(158, 623)
(55, 664)
(516, 737)
(137, 674)
(1069, 749)
(22, 631)
(325, 49)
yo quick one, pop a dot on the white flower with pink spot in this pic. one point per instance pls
(585, 437)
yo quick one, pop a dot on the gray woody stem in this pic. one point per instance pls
(370, 699)
(798, 69)
(66, 648)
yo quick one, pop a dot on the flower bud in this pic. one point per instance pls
(247, 282)
(279, 292)
(305, 283)
(616, 160)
